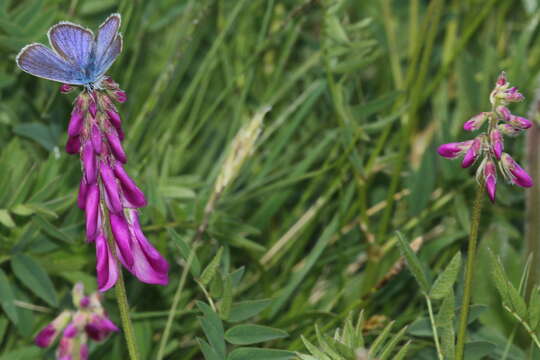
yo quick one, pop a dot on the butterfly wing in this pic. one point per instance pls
(108, 44)
(72, 42)
(39, 60)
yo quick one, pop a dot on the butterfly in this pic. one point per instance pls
(77, 56)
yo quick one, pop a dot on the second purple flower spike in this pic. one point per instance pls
(489, 146)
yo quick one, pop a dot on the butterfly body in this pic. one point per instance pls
(77, 56)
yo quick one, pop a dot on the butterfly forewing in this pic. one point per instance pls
(106, 34)
(39, 60)
(104, 63)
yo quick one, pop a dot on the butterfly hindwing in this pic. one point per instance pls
(108, 44)
(41, 61)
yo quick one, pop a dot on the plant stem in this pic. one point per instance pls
(129, 334)
(434, 327)
(477, 208)
(176, 301)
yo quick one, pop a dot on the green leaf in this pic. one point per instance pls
(477, 350)
(314, 350)
(31, 274)
(379, 340)
(208, 352)
(508, 292)
(252, 334)
(7, 298)
(244, 310)
(226, 301)
(210, 271)
(213, 328)
(446, 279)
(414, 263)
(186, 251)
(421, 328)
(50, 229)
(534, 308)
(402, 352)
(6, 219)
(248, 353)
(390, 346)
(25, 353)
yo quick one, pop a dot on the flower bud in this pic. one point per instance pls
(520, 122)
(472, 153)
(47, 335)
(97, 142)
(111, 188)
(132, 193)
(508, 130)
(121, 234)
(65, 88)
(73, 145)
(92, 211)
(89, 163)
(75, 123)
(496, 143)
(120, 96)
(475, 122)
(504, 113)
(515, 173)
(490, 179)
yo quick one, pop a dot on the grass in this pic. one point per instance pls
(360, 94)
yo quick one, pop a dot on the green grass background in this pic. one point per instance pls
(361, 93)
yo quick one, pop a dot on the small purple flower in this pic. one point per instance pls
(472, 153)
(520, 122)
(509, 130)
(490, 179)
(515, 173)
(496, 140)
(475, 122)
(65, 88)
(75, 123)
(107, 270)
(504, 113)
(99, 327)
(47, 335)
(453, 150)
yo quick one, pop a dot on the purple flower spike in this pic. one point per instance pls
(132, 193)
(453, 150)
(73, 145)
(490, 176)
(472, 154)
(97, 142)
(475, 122)
(496, 143)
(111, 187)
(91, 211)
(116, 146)
(120, 231)
(89, 163)
(520, 122)
(114, 118)
(107, 270)
(75, 123)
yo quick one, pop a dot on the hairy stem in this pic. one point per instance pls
(434, 327)
(123, 306)
(473, 237)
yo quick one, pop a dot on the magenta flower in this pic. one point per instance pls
(89, 320)
(489, 145)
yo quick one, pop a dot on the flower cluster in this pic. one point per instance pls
(88, 321)
(107, 194)
(488, 147)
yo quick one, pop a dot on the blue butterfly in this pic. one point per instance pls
(77, 57)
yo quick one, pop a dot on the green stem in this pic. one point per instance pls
(176, 301)
(129, 334)
(473, 237)
(434, 327)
